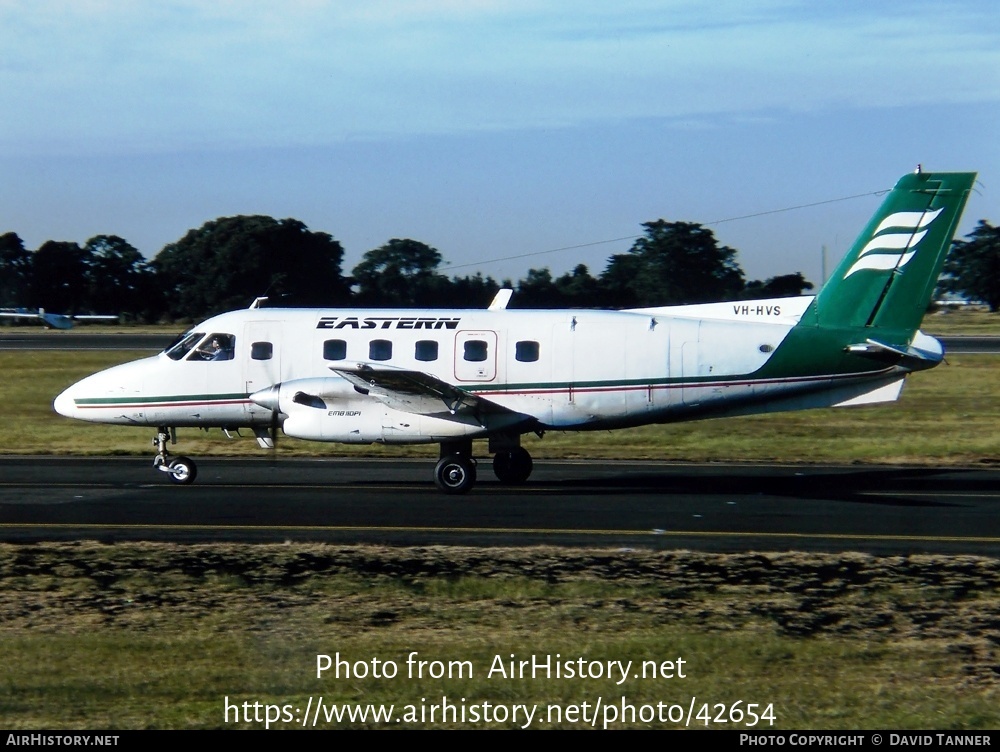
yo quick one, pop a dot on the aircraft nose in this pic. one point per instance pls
(98, 398)
(64, 404)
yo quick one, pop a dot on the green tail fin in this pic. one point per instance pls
(887, 279)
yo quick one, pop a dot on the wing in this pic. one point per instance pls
(49, 320)
(55, 320)
(419, 392)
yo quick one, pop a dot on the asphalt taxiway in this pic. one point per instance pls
(34, 339)
(709, 507)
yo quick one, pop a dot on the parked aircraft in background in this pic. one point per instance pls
(54, 320)
(452, 376)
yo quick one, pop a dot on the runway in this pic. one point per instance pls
(723, 508)
(39, 339)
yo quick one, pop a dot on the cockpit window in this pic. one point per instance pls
(183, 345)
(196, 346)
(174, 341)
(215, 346)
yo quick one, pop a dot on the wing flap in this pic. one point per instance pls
(416, 391)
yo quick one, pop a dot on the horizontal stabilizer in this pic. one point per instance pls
(922, 353)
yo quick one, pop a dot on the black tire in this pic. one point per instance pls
(455, 474)
(512, 466)
(183, 471)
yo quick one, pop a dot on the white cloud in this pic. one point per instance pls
(92, 76)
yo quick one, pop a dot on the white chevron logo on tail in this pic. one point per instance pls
(895, 241)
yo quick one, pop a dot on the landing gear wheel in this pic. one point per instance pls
(182, 471)
(455, 474)
(512, 466)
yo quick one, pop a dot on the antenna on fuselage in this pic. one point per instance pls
(257, 301)
(501, 299)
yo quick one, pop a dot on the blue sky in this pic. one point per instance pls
(491, 129)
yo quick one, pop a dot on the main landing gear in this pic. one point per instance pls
(180, 470)
(512, 466)
(455, 472)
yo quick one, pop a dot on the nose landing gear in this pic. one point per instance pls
(180, 470)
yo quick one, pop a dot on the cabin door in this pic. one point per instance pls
(476, 356)
(685, 356)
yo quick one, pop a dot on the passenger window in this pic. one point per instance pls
(261, 350)
(476, 350)
(335, 349)
(426, 349)
(526, 351)
(379, 349)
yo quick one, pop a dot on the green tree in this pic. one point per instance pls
(782, 286)
(574, 289)
(58, 277)
(973, 266)
(119, 278)
(617, 283)
(401, 273)
(476, 291)
(536, 290)
(676, 263)
(578, 289)
(229, 261)
(15, 271)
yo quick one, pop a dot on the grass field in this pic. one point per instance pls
(947, 321)
(161, 636)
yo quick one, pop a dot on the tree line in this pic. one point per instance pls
(227, 262)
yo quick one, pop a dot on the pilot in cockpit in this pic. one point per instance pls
(219, 347)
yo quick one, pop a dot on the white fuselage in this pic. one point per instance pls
(563, 370)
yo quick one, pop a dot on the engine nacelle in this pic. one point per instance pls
(323, 409)
(348, 422)
(283, 397)
(331, 409)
